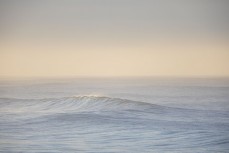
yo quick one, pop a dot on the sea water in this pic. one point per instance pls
(109, 115)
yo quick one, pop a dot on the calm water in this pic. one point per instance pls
(114, 115)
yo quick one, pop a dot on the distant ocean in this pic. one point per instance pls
(114, 115)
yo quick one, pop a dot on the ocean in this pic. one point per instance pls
(114, 115)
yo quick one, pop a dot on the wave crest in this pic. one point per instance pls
(75, 103)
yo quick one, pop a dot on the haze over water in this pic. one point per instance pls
(54, 38)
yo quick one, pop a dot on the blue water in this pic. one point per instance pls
(114, 115)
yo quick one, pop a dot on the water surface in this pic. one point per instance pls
(114, 115)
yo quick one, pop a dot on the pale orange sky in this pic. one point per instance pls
(115, 38)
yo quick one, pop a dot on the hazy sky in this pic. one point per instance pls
(114, 38)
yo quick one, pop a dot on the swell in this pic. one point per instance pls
(87, 103)
(81, 104)
(76, 103)
(99, 109)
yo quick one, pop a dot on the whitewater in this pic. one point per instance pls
(114, 115)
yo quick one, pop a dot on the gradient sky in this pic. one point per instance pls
(114, 38)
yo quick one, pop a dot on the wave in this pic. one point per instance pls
(75, 103)
(107, 105)
(101, 109)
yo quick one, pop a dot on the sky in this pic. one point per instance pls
(58, 38)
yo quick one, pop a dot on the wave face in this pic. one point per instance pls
(105, 124)
(74, 104)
